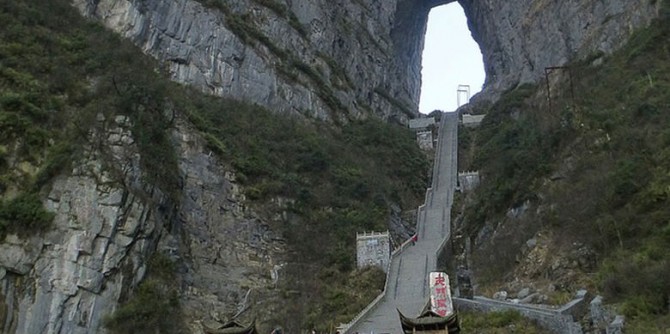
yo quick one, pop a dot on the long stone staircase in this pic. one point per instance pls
(406, 284)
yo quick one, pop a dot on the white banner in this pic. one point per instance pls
(440, 294)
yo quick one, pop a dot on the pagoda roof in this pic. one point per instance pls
(429, 321)
(232, 327)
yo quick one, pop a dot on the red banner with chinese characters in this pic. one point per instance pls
(440, 294)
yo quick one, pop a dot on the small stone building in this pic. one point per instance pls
(373, 249)
(424, 131)
(468, 181)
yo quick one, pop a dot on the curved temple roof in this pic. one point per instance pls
(233, 327)
(429, 321)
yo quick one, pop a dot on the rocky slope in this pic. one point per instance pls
(106, 229)
(66, 280)
(571, 195)
(232, 255)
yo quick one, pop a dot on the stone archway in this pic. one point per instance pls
(518, 39)
(452, 68)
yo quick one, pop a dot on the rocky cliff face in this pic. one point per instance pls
(232, 256)
(519, 39)
(108, 223)
(347, 59)
(323, 59)
(105, 228)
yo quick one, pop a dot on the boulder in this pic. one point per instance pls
(500, 295)
(523, 293)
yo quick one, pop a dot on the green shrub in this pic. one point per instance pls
(341, 301)
(24, 215)
(610, 144)
(153, 309)
(154, 306)
(637, 280)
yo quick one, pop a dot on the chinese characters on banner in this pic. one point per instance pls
(440, 294)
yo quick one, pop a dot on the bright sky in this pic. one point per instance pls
(450, 58)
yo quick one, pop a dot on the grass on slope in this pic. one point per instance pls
(497, 323)
(340, 181)
(57, 73)
(611, 144)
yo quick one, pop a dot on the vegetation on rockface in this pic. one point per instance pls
(23, 215)
(340, 181)
(339, 77)
(288, 64)
(597, 167)
(58, 72)
(512, 144)
(344, 296)
(154, 307)
(54, 80)
(394, 101)
(282, 11)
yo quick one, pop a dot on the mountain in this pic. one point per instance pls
(132, 203)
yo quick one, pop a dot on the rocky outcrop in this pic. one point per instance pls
(231, 256)
(105, 227)
(108, 223)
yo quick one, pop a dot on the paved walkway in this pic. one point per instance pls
(407, 282)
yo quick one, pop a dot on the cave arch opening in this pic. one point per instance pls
(450, 58)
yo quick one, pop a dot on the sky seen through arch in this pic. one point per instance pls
(450, 58)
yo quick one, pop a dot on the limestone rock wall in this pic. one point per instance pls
(520, 38)
(231, 256)
(323, 59)
(66, 280)
(108, 222)
(339, 59)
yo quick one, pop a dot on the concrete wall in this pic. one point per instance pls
(421, 123)
(471, 121)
